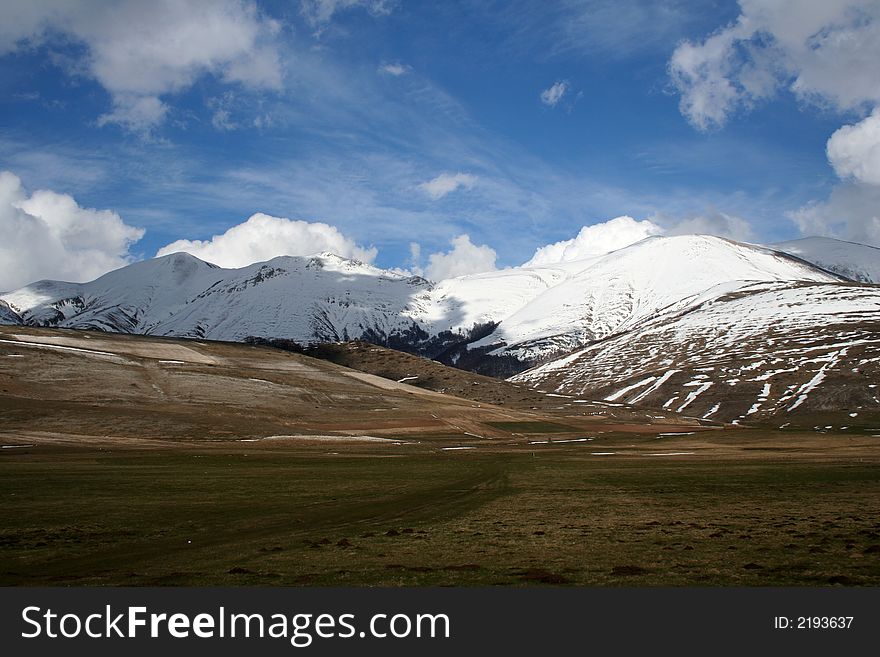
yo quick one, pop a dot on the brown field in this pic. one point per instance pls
(133, 460)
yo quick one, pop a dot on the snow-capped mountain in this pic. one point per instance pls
(318, 298)
(520, 316)
(769, 351)
(590, 299)
(628, 325)
(856, 262)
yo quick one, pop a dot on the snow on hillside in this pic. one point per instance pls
(7, 315)
(857, 262)
(323, 297)
(121, 300)
(533, 313)
(764, 351)
(459, 303)
(610, 293)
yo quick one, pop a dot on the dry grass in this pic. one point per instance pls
(127, 470)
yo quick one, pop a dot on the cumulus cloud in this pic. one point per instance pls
(262, 237)
(137, 113)
(824, 51)
(854, 150)
(553, 94)
(318, 12)
(620, 232)
(852, 212)
(464, 257)
(446, 183)
(140, 52)
(49, 235)
(597, 239)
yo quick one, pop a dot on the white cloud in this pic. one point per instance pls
(465, 257)
(415, 258)
(854, 150)
(620, 232)
(596, 240)
(715, 223)
(700, 73)
(262, 237)
(396, 69)
(222, 108)
(446, 183)
(137, 113)
(318, 12)
(142, 51)
(48, 235)
(553, 94)
(221, 120)
(824, 51)
(610, 28)
(852, 212)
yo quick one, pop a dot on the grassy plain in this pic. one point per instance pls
(141, 461)
(367, 515)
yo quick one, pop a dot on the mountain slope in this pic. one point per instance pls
(856, 262)
(497, 323)
(656, 276)
(306, 299)
(68, 387)
(788, 353)
(428, 374)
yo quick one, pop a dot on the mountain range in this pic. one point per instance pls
(695, 324)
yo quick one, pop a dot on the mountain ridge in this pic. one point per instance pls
(522, 322)
(527, 314)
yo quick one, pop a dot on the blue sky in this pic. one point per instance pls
(344, 111)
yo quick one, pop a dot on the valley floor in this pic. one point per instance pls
(802, 513)
(138, 461)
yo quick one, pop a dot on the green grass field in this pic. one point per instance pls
(364, 516)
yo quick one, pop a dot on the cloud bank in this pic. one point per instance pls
(851, 212)
(854, 150)
(49, 235)
(607, 236)
(319, 12)
(262, 237)
(713, 223)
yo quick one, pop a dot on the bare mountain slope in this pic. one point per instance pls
(429, 374)
(81, 388)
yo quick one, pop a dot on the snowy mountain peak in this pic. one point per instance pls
(520, 315)
(709, 256)
(594, 298)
